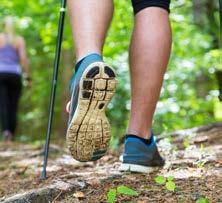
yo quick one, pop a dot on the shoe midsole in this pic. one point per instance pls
(136, 168)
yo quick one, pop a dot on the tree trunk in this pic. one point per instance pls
(219, 78)
(211, 9)
(198, 10)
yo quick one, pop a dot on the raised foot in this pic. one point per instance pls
(89, 134)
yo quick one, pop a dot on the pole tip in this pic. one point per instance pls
(43, 175)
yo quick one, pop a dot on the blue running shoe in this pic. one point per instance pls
(92, 87)
(140, 157)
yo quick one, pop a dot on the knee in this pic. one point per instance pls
(139, 5)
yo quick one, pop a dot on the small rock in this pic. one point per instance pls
(200, 139)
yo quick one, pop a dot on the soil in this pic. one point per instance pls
(195, 162)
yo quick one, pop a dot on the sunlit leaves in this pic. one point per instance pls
(171, 186)
(120, 190)
(160, 180)
(111, 196)
(203, 200)
(168, 182)
(179, 106)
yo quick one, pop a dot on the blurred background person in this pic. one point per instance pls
(13, 62)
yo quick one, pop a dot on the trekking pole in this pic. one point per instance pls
(220, 12)
(53, 87)
(220, 43)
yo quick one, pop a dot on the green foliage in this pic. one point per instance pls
(189, 94)
(111, 196)
(182, 94)
(186, 142)
(160, 180)
(124, 190)
(168, 182)
(203, 200)
(200, 164)
(170, 178)
(171, 186)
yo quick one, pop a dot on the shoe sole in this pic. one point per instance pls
(136, 168)
(88, 133)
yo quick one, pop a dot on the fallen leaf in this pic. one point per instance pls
(79, 195)
(94, 182)
(142, 201)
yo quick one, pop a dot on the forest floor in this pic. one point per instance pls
(194, 160)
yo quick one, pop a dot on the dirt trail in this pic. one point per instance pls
(194, 159)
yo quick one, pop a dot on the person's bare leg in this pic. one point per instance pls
(90, 20)
(149, 55)
(93, 84)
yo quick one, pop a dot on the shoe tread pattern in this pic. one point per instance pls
(88, 134)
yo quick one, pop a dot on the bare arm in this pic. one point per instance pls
(23, 56)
